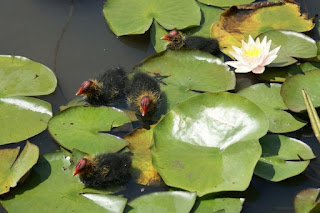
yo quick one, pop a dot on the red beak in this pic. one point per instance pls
(166, 37)
(143, 110)
(80, 91)
(76, 171)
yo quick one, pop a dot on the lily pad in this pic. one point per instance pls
(225, 3)
(83, 128)
(268, 98)
(238, 22)
(226, 205)
(209, 143)
(14, 167)
(293, 45)
(182, 72)
(51, 182)
(142, 170)
(292, 87)
(110, 203)
(164, 202)
(282, 73)
(23, 117)
(307, 201)
(178, 14)
(282, 157)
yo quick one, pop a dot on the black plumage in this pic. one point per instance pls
(107, 87)
(177, 40)
(143, 94)
(104, 169)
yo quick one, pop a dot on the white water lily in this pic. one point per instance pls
(253, 56)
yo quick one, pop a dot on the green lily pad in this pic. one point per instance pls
(142, 170)
(209, 143)
(282, 73)
(156, 33)
(307, 201)
(178, 14)
(164, 202)
(282, 157)
(110, 203)
(268, 98)
(23, 117)
(293, 45)
(81, 128)
(225, 3)
(292, 87)
(14, 167)
(238, 22)
(182, 72)
(51, 187)
(211, 204)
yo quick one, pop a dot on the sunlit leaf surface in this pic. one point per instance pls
(178, 14)
(209, 143)
(292, 87)
(183, 71)
(211, 204)
(268, 98)
(84, 128)
(14, 167)
(237, 23)
(282, 157)
(23, 117)
(163, 202)
(51, 187)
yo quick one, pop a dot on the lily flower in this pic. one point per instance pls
(253, 56)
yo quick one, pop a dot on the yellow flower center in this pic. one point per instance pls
(252, 51)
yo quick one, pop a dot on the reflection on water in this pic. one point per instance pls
(32, 29)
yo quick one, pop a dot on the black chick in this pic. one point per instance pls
(103, 90)
(144, 94)
(177, 40)
(104, 169)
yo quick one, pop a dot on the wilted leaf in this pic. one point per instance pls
(282, 157)
(307, 201)
(14, 167)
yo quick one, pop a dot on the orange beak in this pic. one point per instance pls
(80, 91)
(166, 37)
(143, 110)
(76, 171)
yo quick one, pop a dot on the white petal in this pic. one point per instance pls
(268, 60)
(251, 41)
(274, 51)
(244, 45)
(234, 64)
(242, 70)
(237, 49)
(266, 49)
(258, 70)
(264, 41)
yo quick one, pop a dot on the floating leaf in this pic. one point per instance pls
(161, 202)
(156, 33)
(291, 90)
(238, 22)
(178, 14)
(282, 73)
(78, 101)
(209, 143)
(313, 115)
(142, 169)
(112, 204)
(183, 71)
(307, 201)
(225, 3)
(14, 167)
(52, 187)
(293, 45)
(82, 128)
(268, 98)
(23, 117)
(282, 157)
(226, 205)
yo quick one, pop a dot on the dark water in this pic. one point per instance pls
(32, 28)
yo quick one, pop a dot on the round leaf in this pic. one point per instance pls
(292, 87)
(110, 203)
(178, 14)
(225, 3)
(226, 205)
(268, 98)
(51, 182)
(238, 22)
(14, 167)
(196, 146)
(181, 72)
(307, 201)
(164, 202)
(293, 44)
(82, 128)
(22, 117)
(282, 157)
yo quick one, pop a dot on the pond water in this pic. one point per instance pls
(33, 29)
